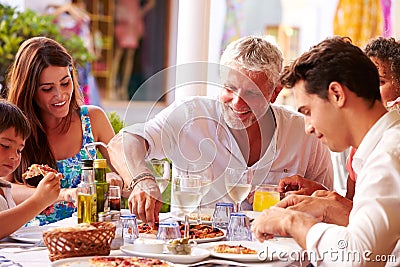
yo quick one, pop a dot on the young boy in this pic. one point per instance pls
(14, 130)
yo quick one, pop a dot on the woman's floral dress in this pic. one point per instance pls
(71, 169)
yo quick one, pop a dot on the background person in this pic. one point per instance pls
(385, 53)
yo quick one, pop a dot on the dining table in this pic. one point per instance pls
(16, 252)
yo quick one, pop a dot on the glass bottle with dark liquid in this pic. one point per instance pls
(114, 198)
(101, 184)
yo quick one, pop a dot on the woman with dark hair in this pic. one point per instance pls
(43, 83)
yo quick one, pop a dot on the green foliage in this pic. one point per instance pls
(116, 122)
(16, 27)
(166, 197)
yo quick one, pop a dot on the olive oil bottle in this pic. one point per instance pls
(102, 186)
(87, 204)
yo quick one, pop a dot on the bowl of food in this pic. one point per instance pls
(148, 245)
(181, 246)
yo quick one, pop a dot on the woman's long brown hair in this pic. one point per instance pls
(33, 56)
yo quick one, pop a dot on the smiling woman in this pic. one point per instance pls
(43, 83)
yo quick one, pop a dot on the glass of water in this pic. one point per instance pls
(238, 228)
(222, 213)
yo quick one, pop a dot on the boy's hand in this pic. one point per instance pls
(48, 188)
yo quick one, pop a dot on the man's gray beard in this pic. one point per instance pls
(233, 122)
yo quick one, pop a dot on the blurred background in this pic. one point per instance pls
(125, 42)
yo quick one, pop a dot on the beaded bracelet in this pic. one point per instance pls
(139, 178)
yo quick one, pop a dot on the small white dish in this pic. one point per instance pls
(148, 245)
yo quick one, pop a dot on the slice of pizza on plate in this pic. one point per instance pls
(238, 249)
(126, 262)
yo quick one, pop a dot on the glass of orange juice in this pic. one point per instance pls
(265, 196)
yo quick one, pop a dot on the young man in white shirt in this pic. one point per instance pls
(239, 129)
(336, 87)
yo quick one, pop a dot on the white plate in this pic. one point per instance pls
(212, 239)
(30, 234)
(198, 254)
(81, 261)
(198, 241)
(272, 250)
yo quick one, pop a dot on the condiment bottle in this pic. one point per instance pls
(87, 204)
(101, 184)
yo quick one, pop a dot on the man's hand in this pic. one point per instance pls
(298, 185)
(325, 206)
(145, 201)
(271, 221)
(284, 222)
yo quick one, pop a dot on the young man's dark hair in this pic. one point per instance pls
(335, 59)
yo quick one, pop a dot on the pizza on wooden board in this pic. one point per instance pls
(126, 262)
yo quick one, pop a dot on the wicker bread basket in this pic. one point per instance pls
(75, 242)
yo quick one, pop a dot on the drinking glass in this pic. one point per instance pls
(222, 213)
(168, 231)
(161, 170)
(265, 196)
(130, 228)
(114, 197)
(238, 227)
(238, 184)
(186, 191)
(205, 171)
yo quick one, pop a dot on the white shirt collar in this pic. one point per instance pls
(372, 138)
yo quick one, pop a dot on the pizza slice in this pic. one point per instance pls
(225, 248)
(202, 231)
(126, 262)
(144, 228)
(203, 217)
(35, 173)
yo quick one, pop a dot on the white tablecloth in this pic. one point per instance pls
(39, 258)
